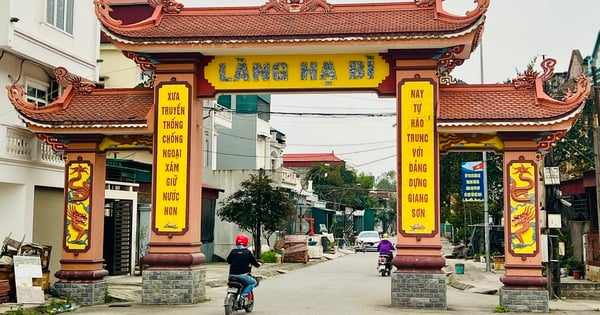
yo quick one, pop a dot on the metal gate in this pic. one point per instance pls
(117, 236)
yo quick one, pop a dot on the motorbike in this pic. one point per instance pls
(234, 300)
(384, 265)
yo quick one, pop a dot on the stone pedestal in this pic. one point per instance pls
(523, 300)
(83, 292)
(418, 290)
(173, 286)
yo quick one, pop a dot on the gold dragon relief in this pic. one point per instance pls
(78, 206)
(523, 212)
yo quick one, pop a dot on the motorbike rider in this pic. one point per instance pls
(385, 247)
(240, 261)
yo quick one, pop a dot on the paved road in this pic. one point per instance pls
(347, 285)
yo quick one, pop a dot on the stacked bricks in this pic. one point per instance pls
(417, 290)
(85, 293)
(522, 300)
(296, 249)
(163, 287)
(4, 291)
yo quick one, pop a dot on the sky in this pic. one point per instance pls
(516, 32)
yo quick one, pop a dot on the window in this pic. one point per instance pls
(60, 14)
(37, 92)
(42, 93)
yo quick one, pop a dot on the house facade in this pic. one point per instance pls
(35, 37)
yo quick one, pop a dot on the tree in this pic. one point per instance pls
(258, 206)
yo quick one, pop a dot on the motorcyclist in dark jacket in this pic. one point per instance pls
(240, 261)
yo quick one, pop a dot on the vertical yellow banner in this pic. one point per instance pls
(523, 210)
(171, 158)
(79, 188)
(417, 173)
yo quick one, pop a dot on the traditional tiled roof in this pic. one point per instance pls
(122, 109)
(308, 159)
(316, 21)
(521, 104)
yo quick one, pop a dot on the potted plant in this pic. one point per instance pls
(574, 268)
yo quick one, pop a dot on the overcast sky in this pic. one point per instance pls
(516, 32)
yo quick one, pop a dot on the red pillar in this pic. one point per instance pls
(175, 249)
(81, 274)
(523, 254)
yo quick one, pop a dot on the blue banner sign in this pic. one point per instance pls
(472, 181)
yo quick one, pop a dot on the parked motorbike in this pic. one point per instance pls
(384, 265)
(234, 300)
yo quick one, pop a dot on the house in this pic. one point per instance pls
(35, 37)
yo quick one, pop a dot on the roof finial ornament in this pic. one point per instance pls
(295, 6)
(103, 11)
(168, 6)
(527, 79)
(80, 85)
(425, 3)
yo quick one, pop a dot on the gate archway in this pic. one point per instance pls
(402, 50)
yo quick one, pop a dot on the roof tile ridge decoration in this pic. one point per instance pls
(295, 6)
(73, 85)
(443, 15)
(103, 10)
(532, 79)
(447, 61)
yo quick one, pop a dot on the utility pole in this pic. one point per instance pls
(596, 137)
(486, 220)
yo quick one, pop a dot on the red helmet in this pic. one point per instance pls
(241, 239)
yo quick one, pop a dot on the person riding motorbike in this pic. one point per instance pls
(240, 261)
(385, 247)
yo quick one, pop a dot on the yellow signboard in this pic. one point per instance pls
(417, 175)
(172, 124)
(296, 71)
(79, 188)
(523, 210)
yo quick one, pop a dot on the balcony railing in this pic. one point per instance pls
(22, 145)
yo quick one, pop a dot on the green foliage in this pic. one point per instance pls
(269, 257)
(501, 309)
(570, 264)
(258, 206)
(342, 186)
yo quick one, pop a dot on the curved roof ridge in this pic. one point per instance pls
(572, 98)
(17, 97)
(476, 13)
(405, 20)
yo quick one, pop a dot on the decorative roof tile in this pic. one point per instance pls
(101, 108)
(357, 22)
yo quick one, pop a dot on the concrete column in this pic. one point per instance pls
(81, 275)
(524, 287)
(175, 275)
(418, 257)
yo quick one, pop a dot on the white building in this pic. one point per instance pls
(37, 36)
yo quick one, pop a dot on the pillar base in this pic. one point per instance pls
(83, 292)
(431, 292)
(524, 300)
(173, 286)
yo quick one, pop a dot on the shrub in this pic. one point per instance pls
(268, 257)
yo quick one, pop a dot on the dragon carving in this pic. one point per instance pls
(521, 194)
(77, 221)
(79, 193)
(522, 222)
